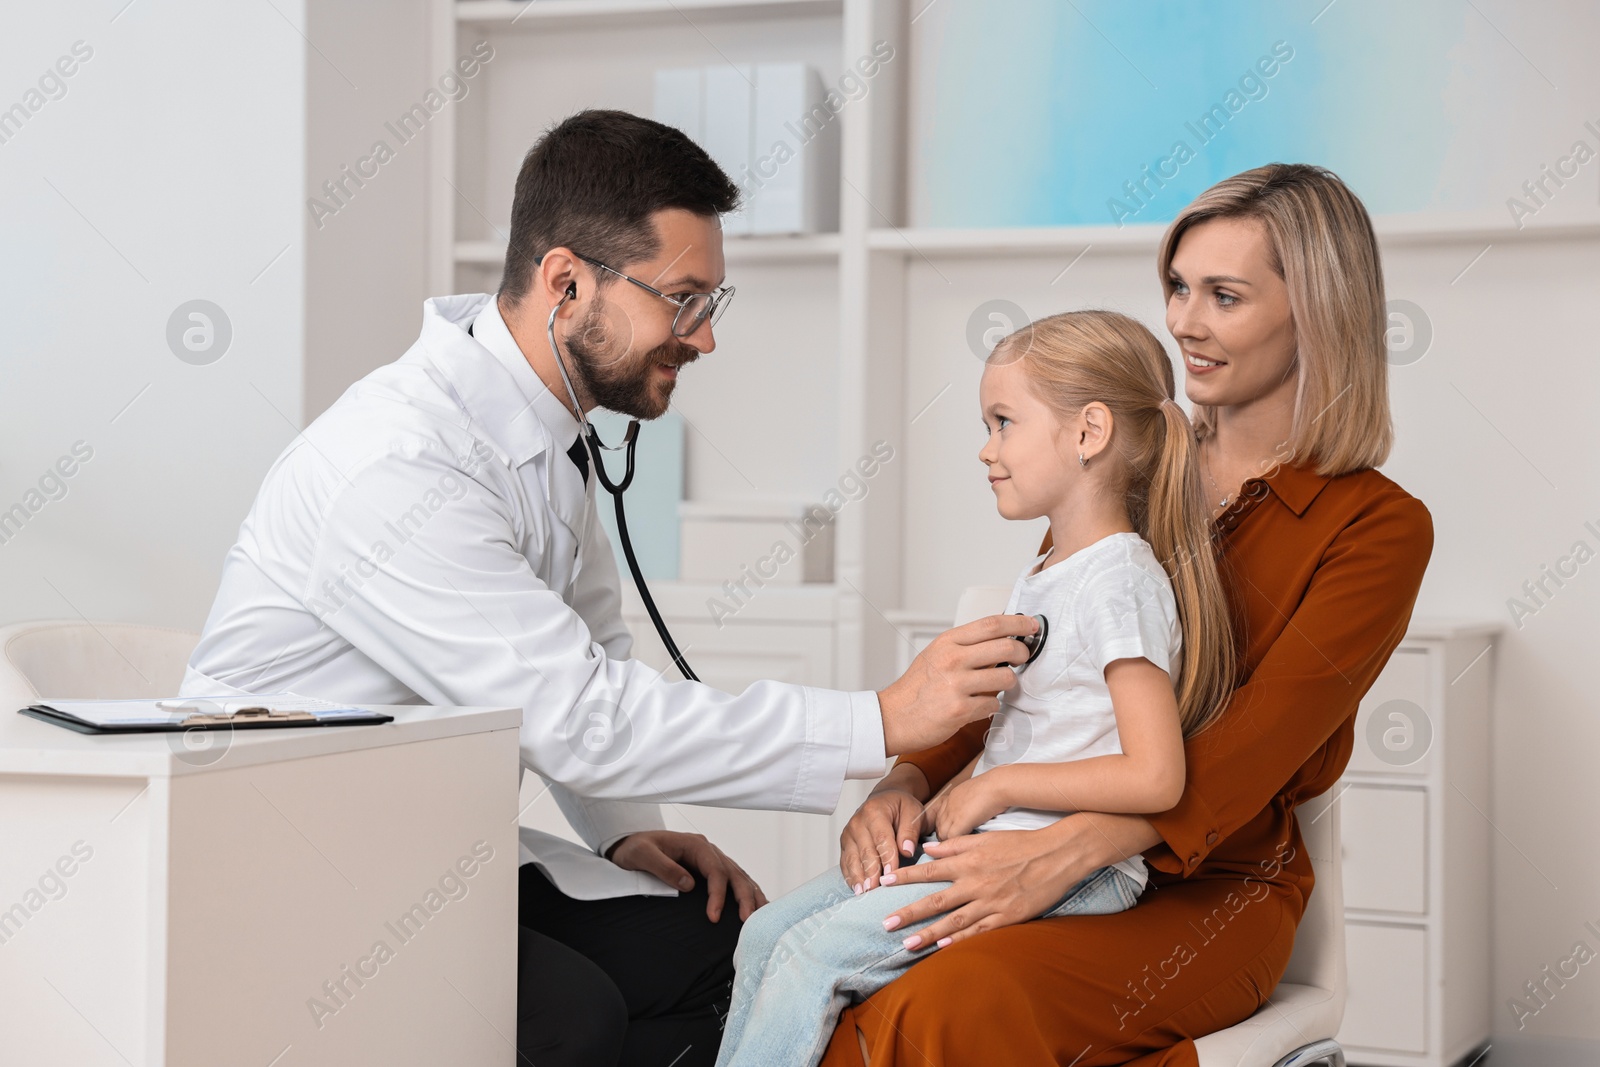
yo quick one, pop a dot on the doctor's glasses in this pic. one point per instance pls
(693, 308)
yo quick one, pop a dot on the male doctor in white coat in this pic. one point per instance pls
(431, 538)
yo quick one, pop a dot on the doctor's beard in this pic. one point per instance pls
(615, 377)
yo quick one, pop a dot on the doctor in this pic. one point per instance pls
(420, 542)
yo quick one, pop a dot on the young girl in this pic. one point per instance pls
(1138, 655)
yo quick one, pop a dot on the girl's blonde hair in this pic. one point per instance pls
(1322, 245)
(1075, 358)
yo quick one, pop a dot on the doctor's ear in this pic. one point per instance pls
(557, 273)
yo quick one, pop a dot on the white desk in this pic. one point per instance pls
(161, 907)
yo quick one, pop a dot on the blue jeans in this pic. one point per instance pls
(803, 957)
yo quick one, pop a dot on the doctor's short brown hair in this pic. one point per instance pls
(1321, 242)
(592, 182)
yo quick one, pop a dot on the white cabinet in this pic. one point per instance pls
(1416, 854)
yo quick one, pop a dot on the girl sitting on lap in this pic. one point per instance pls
(1082, 428)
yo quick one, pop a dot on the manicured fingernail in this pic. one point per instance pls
(891, 922)
(887, 870)
(943, 941)
(913, 941)
(888, 879)
(858, 889)
(907, 847)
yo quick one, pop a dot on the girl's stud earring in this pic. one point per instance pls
(1081, 461)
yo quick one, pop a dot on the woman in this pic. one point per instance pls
(1275, 296)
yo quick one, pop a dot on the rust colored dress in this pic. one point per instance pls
(1322, 574)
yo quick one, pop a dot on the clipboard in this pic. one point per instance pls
(202, 713)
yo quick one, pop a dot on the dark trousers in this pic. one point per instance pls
(634, 981)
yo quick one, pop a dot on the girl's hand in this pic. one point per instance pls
(1010, 876)
(880, 836)
(963, 808)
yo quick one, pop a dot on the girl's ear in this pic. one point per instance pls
(1095, 432)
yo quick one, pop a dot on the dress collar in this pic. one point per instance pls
(1297, 486)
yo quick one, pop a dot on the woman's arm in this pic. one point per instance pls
(961, 776)
(1147, 776)
(1332, 648)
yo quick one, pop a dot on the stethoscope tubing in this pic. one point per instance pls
(592, 442)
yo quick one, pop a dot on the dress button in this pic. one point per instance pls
(1194, 857)
(1211, 838)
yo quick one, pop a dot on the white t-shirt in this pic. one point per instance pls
(1109, 601)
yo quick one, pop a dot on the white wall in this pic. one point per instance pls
(366, 265)
(170, 170)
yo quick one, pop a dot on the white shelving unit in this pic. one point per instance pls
(808, 248)
(542, 14)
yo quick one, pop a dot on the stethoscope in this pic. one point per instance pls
(595, 446)
(1033, 642)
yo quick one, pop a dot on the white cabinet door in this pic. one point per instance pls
(1401, 740)
(1385, 849)
(1387, 1004)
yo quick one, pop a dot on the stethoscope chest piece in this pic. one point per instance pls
(1035, 641)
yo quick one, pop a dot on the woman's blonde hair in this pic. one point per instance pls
(1321, 242)
(1075, 358)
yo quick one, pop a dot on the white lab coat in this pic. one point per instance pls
(418, 543)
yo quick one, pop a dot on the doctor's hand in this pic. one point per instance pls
(670, 856)
(952, 682)
(1010, 876)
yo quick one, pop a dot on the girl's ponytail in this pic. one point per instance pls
(1178, 528)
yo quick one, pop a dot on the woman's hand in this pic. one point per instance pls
(884, 830)
(1010, 876)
